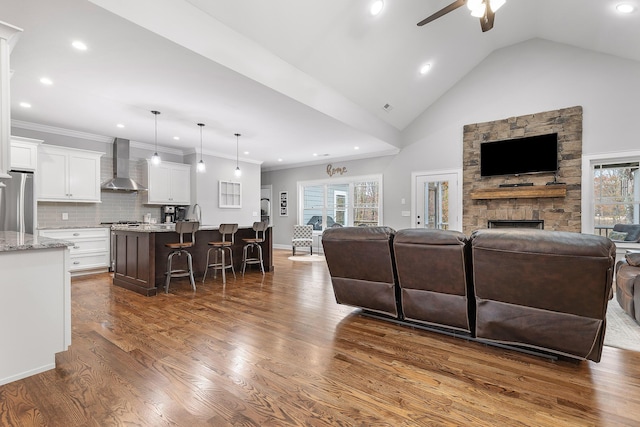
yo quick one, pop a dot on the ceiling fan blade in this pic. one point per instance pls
(486, 21)
(453, 6)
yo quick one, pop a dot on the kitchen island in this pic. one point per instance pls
(35, 303)
(141, 255)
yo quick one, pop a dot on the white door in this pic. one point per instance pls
(437, 201)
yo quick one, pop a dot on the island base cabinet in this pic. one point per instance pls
(35, 311)
(132, 268)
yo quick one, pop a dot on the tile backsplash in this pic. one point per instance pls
(115, 206)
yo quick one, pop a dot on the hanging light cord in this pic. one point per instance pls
(237, 155)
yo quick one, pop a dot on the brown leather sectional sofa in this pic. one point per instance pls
(532, 290)
(628, 285)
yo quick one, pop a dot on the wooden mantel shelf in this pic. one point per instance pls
(531, 192)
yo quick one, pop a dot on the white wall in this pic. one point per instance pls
(204, 190)
(526, 78)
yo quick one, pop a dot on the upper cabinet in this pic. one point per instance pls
(168, 184)
(68, 175)
(24, 153)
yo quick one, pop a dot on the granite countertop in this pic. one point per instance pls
(14, 241)
(162, 228)
(63, 227)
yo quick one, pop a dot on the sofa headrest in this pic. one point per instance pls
(358, 233)
(424, 236)
(543, 242)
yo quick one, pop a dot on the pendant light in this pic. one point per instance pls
(155, 159)
(238, 172)
(201, 167)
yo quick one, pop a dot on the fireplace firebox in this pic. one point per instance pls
(509, 223)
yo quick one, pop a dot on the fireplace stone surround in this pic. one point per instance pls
(557, 212)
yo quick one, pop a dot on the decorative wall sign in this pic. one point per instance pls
(284, 202)
(332, 171)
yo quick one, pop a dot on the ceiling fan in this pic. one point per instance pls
(483, 9)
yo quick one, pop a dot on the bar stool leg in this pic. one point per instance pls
(233, 270)
(190, 263)
(206, 266)
(166, 284)
(224, 276)
(260, 257)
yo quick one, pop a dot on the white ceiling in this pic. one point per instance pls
(295, 78)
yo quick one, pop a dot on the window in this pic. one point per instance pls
(616, 195)
(355, 202)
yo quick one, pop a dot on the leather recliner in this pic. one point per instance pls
(542, 290)
(433, 275)
(361, 264)
(628, 285)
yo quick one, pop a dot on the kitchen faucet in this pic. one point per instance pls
(197, 215)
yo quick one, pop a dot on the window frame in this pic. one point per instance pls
(350, 214)
(588, 187)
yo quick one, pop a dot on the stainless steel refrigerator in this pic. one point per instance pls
(17, 203)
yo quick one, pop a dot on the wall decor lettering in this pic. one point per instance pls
(332, 171)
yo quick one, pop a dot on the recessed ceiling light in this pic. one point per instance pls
(120, 125)
(356, 148)
(177, 138)
(376, 7)
(246, 152)
(46, 81)
(425, 69)
(79, 45)
(625, 8)
(279, 160)
(25, 105)
(315, 154)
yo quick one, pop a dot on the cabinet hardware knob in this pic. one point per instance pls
(76, 247)
(76, 262)
(76, 234)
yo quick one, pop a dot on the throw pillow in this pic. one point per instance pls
(617, 236)
(633, 259)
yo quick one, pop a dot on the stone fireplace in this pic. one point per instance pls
(558, 207)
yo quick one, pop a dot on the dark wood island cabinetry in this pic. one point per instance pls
(141, 255)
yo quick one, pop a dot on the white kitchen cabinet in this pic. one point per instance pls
(35, 311)
(24, 153)
(168, 184)
(91, 249)
(68, 175)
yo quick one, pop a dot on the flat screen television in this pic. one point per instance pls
(533, 154)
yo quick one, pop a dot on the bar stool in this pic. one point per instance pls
(178, 248)
(251, 244)
(219, 247)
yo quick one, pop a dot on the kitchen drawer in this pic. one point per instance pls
(89, 245)
(87, 262)
(72, 234)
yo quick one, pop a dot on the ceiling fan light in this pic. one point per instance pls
(475, 4)
(496, 4)
(478, 12)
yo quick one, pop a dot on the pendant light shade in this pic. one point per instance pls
(238, 172)
(201, 167)
(155, 159)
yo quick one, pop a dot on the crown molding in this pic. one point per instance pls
(324, 160)
(60, 131)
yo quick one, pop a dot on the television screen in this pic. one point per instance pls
(533, 154)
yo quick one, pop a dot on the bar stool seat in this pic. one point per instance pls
(252, 244)
(220, 247)
(179, 248)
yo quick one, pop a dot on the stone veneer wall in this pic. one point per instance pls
(558, 213)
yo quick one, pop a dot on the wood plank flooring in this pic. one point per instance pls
(278, 351)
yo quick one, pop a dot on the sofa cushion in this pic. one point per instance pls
(632, 230)
(618, 236)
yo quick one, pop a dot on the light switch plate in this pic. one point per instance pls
(65, 216)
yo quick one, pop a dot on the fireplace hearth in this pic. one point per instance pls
(501, 223)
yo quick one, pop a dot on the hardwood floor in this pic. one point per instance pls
(278, 351)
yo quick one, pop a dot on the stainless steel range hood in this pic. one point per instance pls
(121, 180)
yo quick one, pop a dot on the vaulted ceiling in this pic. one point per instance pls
(301, 81)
